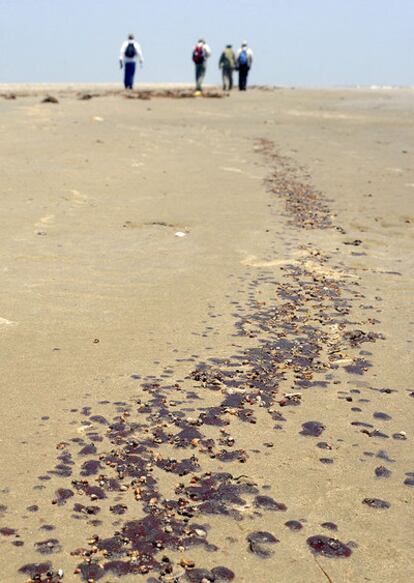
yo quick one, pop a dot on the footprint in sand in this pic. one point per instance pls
(240, 171)
(169, 226)
(323, 114)
(47, 220)
(253, 261)
(4, 323)
(77, 197)
(230, 169)
(309, 265)
(37, 111)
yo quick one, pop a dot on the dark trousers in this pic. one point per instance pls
(129, 75)
(243, 72)
(200, 73)
(227, 78)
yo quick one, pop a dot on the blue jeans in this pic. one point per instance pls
(200, 73)
(129, 75)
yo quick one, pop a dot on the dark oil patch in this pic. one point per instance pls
(382, 416)
(90, 468)
(89, 449)
(259, 542)
(267, 503)
(328, 547)
(323, 445)
(384, 456)
(376, 503)
(118, 509)
(329, 526)
(89, 510)
(359, 366)
(48, 547)
(399, 436)
(312, 428)
(91, 571)
(62, 495)
(199, 575)
(34, 570)
(6, 531)
(382, 472)
(361, 424)
(223, 574)
(294, 525)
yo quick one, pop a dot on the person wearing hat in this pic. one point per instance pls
(130, 52)
(244, 62)
(200, 55)
(227, 64)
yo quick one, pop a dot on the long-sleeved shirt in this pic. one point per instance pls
(138, 52)
(249, 55)
(227, 59)
(206, 50)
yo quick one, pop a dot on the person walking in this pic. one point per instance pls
(227, 64)
(130, 52)
(201, 53)
(244, 63)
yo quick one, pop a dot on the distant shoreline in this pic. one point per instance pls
(34, 89)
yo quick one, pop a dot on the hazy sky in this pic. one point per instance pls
(296, 42)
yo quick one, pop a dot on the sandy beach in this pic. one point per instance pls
(206, 334)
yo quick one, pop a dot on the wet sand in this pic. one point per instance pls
(206, 336)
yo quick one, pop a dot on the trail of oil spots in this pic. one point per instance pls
(304, 336)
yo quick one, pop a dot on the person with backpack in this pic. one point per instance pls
(130, 52)
(200, 55)
(244, 63)
(227, 64)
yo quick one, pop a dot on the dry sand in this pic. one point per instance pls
(295, 275)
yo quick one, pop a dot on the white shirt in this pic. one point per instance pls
(249, 55)
(138, 54)
(206, 49)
